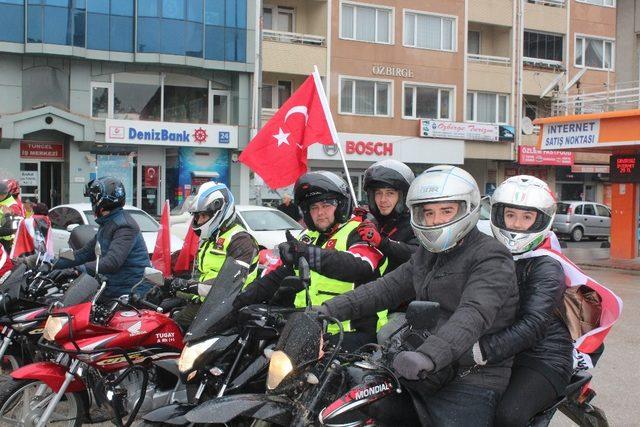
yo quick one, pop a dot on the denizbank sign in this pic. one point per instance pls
(170, 134)
(557, 136)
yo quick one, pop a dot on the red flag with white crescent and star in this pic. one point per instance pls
(278, 152)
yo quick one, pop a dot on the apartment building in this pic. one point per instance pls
(430, 82)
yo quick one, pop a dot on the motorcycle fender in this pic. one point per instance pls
(170, 414)
(49, 373)
(258, 406)
(258, 366)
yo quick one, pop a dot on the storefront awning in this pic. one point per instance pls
(16, 126)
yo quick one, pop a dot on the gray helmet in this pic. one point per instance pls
(440, 184)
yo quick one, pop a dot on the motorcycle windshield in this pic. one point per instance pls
(17, 279)
(81, 290)
(215, 314)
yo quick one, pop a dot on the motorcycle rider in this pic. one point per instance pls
(338, 257)
(471, 276)
(124, 253)
(386, 183)
(522, 212)
(10, 213)
(221, 236)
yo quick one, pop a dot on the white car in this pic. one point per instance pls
(65, 218)
(267, 225)
(484, 223)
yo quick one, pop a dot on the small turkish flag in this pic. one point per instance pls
(278, 153)
(161, 257)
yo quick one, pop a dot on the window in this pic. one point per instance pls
(610, 3)
(542, 46)
(578, 210)
(136, 97)
(603, 211)
(279, 18)
(267, 96)
(473, 42)
(365, 97)
(12, 21)
(59, 22)
(487, 107)
(186, 101)
(427, 102)
(284, 92)
(589, 210)
(366, 23)
(594, 53)
(225, 30)
(101, 100)
(221, 107)
(429, 31)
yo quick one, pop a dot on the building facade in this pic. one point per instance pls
(430, 82)
(156, 92)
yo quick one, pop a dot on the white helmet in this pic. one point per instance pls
(217, 201)
(444, 184)
(527, 193)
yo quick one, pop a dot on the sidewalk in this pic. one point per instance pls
(599, 258)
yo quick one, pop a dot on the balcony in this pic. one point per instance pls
(489, 73)
(622, 96)
(489, 60)
(293, 53)
(534, 81)
(547, 15)
(494, 12)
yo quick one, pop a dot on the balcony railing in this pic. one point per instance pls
(622, 96)
(296, 38)
(488, 59)
(542, 63)
(553, 3)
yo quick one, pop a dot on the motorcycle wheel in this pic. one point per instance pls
(19, 405)
(585, 415)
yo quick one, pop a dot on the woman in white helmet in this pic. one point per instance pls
(522, 211)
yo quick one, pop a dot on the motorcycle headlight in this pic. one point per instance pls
(279, 367)
(53, 325)
(191, 352)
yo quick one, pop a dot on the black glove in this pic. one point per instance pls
(412, 365)
(183, 285)
(63, 275)
(290, 252)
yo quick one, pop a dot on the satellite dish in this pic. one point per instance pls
(526, 125)
(555, 82)
(575, 79)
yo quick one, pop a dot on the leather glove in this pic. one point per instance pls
(321, 310)
(369, 233)
(412, 365)
(63, 274)
(183, 285)
(290, 252)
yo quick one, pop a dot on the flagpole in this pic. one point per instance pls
(332, 129)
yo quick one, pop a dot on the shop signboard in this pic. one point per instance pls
(29, 178)
(468, 131)
(38, 150)
(558, 136)
(139, 132)
(590, 168)
(624, 168)
(532, 156)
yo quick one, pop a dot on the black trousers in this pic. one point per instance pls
(528, 393)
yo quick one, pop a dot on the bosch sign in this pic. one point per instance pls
(369, 148)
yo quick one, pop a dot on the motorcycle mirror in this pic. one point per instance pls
(153, 276)
(423, 315)
(67, 254)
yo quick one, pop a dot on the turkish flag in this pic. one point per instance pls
(278, 153)
(184, 263)
(161, 258)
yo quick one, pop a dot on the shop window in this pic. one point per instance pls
(594, 53)
(185, 104)
(366, 23)
(429, 31)
(12, 21)
(426, 102)
(365, 97)
(486, 107)
(136, 97)
(542, 46)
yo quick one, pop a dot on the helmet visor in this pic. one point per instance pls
(437, 214)
(517, 219)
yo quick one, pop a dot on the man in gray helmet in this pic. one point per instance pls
(471, 276)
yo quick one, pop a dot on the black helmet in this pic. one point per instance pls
(315, 187)
(106, 193)
(387, 174)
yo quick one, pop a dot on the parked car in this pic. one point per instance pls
(582, 219)
(267, 225)
(65, 218)
(484, 223)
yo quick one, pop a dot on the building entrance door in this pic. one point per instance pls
(41, 181)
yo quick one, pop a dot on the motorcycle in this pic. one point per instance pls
(223, 350)
(109, 362)
(306, 385)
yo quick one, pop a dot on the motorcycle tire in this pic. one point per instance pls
(11, 395)
(585, 415)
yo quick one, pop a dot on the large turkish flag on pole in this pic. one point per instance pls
(278, 153)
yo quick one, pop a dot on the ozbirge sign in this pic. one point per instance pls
(138, 132)
(557, 136)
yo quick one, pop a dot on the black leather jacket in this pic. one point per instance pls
(539, 337)
(398, 240)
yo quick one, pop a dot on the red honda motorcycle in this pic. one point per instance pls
(112, 363)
